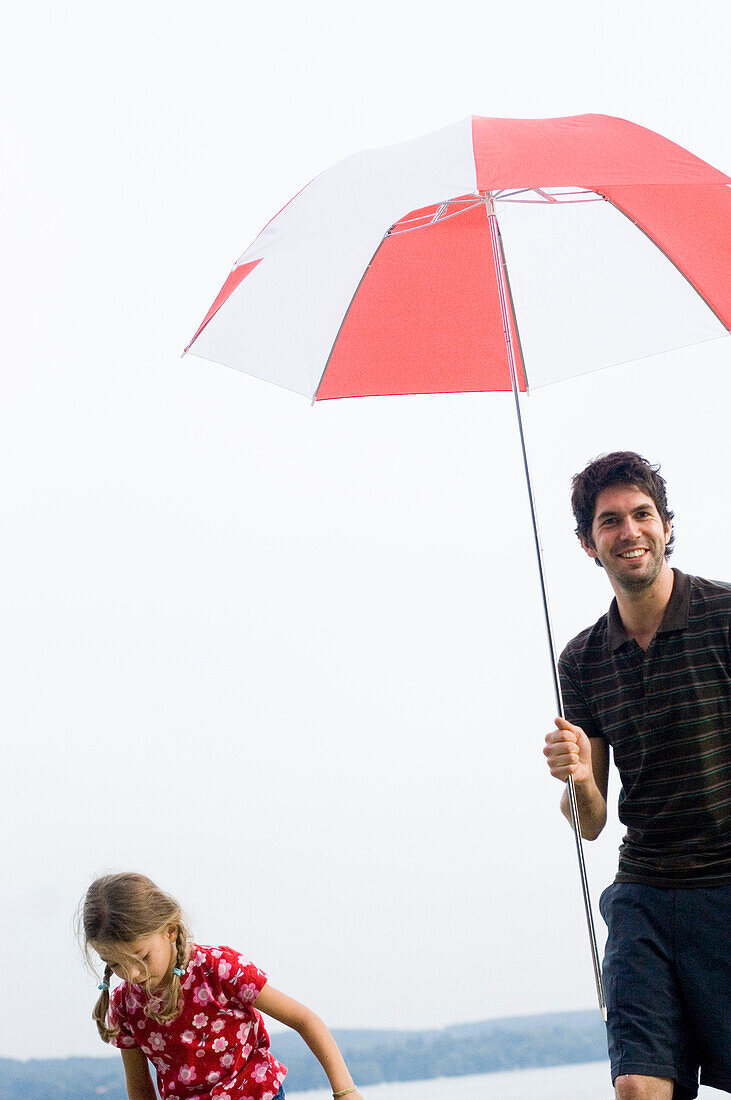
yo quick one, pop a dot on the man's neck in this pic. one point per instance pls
(642, 612)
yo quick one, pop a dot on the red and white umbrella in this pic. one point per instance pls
(388, 274)
(379, 278)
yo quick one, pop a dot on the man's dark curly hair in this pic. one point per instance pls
(617, 468)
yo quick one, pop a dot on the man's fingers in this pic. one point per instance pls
(563, 750)
(558, 756)
(562, 724)
(562, 737)
(558, 748)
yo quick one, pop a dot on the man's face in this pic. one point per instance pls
(628, 537)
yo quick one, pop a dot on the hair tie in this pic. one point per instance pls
(104, 985)
(178, 971)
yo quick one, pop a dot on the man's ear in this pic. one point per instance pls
(588, 547)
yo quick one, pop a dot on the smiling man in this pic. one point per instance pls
(652, 679)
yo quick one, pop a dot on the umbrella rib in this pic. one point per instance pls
(564, 197)
(394, 232)
(669, 259)
(345, 315)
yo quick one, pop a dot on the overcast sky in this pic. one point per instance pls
(290, 661)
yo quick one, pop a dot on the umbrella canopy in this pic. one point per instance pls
(378, 277)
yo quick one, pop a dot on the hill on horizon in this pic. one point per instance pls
(373, 1056)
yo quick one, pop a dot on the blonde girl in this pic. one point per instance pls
(192, 1011)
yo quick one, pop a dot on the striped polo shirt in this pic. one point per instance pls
(667, 715)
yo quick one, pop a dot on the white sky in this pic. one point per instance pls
(290, 662)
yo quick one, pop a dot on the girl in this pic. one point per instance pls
(193, 1011)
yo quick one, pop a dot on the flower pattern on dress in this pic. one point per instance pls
(217, 1047)
(202, 995)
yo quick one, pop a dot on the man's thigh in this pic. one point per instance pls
(703, 961)
(648, 1030)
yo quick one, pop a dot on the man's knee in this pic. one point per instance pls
(634, 1086)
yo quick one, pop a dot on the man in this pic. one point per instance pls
(652, 678)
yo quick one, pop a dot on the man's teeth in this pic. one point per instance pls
(632, 554)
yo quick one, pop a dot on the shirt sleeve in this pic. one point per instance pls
(240, 980)
(576, 709)
(117, 1018)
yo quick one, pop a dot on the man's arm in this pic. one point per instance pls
(570, 752)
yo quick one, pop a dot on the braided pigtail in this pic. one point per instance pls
(171, 1005)
(101, 1009)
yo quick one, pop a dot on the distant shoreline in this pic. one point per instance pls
(373, 1056)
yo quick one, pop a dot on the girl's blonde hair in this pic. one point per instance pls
(119, 909)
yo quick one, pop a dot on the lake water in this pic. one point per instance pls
(589, 1081)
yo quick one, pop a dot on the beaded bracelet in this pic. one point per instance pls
(344, 1092)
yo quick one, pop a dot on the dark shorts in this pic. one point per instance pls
(667, 976)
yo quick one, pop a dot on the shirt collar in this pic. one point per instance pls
(675, 617)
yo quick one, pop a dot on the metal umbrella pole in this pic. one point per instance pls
(504, 295)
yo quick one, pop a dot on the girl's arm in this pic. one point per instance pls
(137, 1074)
(313, 1031)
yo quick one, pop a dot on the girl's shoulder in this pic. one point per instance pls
(219, 959)
(224, 972)
(203, 952)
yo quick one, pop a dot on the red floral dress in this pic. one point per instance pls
(218, 1047)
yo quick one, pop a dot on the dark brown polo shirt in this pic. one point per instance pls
(667, 715)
